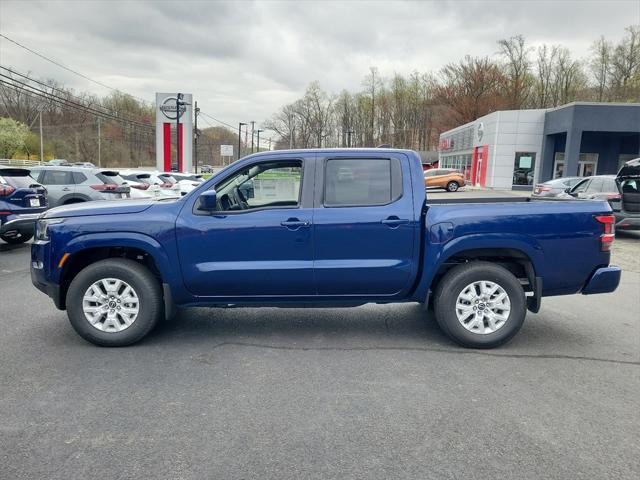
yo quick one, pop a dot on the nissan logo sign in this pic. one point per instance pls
(168, 108)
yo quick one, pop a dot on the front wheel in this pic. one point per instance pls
(480, 305)
(452, 187)
(114, 302)
(17, 238)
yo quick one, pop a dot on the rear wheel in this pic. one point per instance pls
(17, 237)
(114, 302)
(480, 305)
(74, 200)
(452, 186)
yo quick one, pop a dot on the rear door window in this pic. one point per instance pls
(362, 182)
(57, 177)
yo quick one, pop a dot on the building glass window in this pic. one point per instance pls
(523, 168)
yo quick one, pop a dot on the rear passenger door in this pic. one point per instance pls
(60, 185)
(365, 227)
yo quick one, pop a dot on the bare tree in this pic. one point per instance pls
(517, 68)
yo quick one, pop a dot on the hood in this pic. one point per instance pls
(630, 169)
(106, 207)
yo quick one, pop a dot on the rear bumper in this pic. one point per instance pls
(603, 280)
(24, 223)
(627, 221)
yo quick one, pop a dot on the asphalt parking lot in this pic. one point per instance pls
(373, 392)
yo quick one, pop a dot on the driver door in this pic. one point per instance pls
(258, 243)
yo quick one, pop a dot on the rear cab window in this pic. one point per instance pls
(362, 182)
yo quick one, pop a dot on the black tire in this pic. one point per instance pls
(453, 186)
(146, 286)
(20, 238)
(455, 281)
(71, 201)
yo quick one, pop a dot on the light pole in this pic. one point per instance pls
(197, 133)
(240, 124)
(253, 123)
(258, 141)
(179, 103)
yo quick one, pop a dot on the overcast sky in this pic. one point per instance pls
(243, 60)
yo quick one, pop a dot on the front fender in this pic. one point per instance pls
(437, 254)
(122, 239)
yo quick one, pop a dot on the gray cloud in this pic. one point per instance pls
(243, 60)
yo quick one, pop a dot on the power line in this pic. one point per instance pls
(67, 68)
(52, 87)
(34, 92)
(21, 86)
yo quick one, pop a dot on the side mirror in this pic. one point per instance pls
(207, 201)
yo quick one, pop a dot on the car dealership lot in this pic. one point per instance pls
(368, 392)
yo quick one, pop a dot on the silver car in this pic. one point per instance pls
(66, 185)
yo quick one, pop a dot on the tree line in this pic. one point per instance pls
(410, 111)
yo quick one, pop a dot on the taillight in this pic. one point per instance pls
(6, 190)
(104, 186)
(609, 235)
(614, 196)
(166, 185)
(140, 186)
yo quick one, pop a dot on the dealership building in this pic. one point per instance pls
(515, 149)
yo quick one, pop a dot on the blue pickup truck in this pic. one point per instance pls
(319, 228)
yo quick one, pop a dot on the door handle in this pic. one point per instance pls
(394, 222)
(294, 224)
(66, 189)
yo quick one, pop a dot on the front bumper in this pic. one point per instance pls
(51, 289)
(603, 280)
(24, 223)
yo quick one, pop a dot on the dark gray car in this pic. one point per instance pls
(554, 187)
(67, 185)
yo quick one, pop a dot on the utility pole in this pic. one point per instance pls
(240, 124)
(41, 144)
(195, 140)
(99, 145)
(349, 132)
(253, 123)
(293, 130)
(269, 143)
(258, 142)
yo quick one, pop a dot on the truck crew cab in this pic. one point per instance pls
(335, 227)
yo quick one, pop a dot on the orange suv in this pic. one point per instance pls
(449, 179)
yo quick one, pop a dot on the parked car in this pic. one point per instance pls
(22, 200)
(84, 164)
(627, 210)
(597, 187)
(137, 189)
(67, 185)
(449, 179)
(554, 187)
(186, 181)
(206, 169)
(119, 267)
(58, 162)
(165, 186)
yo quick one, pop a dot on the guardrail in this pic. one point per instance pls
(20, 163)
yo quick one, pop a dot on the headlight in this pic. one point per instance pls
(42, 227)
